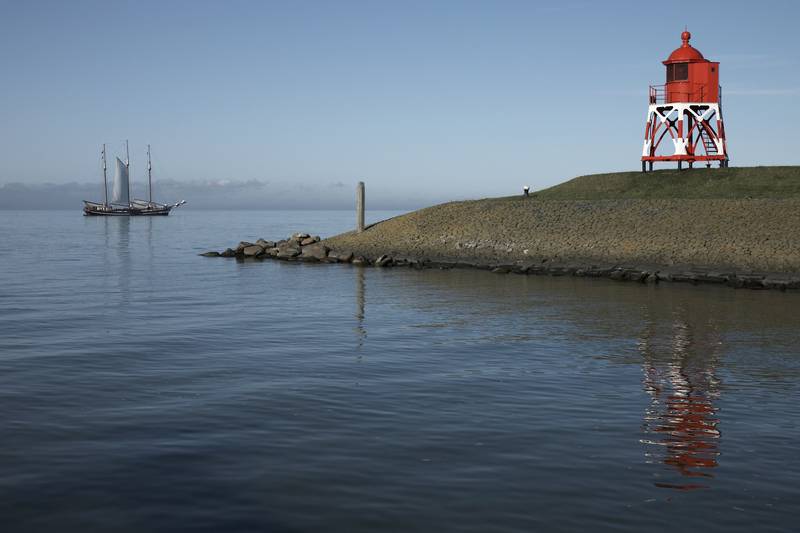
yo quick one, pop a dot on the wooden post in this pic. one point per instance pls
(360, 207)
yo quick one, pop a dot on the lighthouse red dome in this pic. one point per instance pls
(686, 53)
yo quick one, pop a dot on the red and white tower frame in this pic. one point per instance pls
(686, 110)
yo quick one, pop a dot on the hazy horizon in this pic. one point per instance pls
(221, 194)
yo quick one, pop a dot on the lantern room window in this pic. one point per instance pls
(677, 72)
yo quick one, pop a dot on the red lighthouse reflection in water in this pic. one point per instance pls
(680, 425)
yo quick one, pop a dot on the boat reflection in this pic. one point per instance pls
(118, 257)
(681, 425)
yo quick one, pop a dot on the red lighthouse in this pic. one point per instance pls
(686, 110)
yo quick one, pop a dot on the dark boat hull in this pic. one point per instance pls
(99, 210)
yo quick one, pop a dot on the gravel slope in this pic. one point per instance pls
(759, 234)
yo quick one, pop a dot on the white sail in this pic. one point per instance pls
(120, 192)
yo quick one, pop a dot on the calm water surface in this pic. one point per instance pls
(144, 388)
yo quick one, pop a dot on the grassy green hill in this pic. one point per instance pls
(734, 182)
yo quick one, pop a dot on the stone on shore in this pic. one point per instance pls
(253, 251)
(383, 261)
(342, 257)
(211, 254)
(287, 251)
(315, 251)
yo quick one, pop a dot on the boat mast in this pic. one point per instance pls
(149, 176)
(105, 178)
(128, 166)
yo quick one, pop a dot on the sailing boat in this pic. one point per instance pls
(121, 203)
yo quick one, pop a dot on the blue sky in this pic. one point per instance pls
(421, 99)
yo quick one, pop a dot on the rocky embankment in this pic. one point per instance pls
(300, 246)
(753, 243)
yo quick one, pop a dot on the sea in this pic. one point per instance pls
(146, 388)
